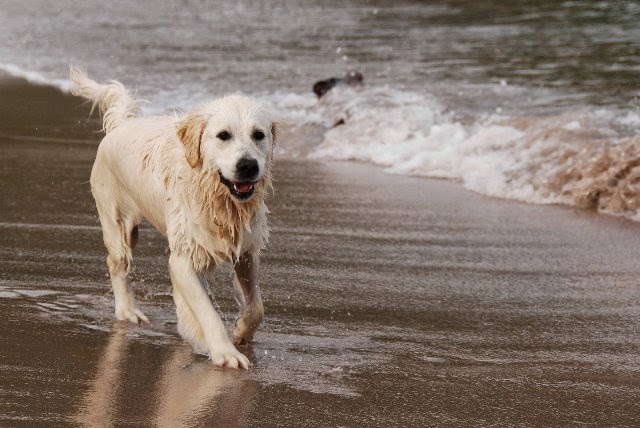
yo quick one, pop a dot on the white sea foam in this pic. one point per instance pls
(573, 157)
(413, 135)
(65, 85)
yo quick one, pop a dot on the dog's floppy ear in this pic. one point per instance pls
(190, 131)
(275, 133)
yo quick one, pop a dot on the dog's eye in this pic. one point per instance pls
(258, 135)
(224, 136)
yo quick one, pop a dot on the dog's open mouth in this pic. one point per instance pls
(241, 190)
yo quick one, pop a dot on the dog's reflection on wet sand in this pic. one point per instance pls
(179, 391)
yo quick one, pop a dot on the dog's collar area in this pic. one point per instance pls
(241, 190)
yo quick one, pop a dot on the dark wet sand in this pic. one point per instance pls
(390, 301)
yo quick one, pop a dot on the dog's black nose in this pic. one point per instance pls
(247, 169)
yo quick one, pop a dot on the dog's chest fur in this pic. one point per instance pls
(207, 223)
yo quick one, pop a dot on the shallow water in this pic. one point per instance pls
(588, 50)
(390, 301)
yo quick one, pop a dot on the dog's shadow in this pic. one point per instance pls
(183, 390)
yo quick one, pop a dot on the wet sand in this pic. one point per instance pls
(390, 301)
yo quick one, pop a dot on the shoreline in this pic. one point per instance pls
(390, 300)
(610, 199)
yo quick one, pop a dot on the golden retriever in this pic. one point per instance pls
(201, 181)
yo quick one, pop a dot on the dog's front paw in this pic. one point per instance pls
(229, 356)
(131, 313)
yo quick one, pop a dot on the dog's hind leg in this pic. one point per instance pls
(252, 310)
(120, 236)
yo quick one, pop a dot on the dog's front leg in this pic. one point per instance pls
(197, 319)
(252, 311)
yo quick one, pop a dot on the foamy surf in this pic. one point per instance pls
(588, 158)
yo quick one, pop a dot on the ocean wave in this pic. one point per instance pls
(588, 158)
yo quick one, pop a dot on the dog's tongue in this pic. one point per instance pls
(242, 187)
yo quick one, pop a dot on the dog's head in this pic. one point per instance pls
(233, 137)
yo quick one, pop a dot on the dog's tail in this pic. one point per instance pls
(113, 99)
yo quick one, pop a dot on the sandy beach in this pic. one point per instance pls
(390, 301)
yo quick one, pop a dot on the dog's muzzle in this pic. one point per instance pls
(247, 171)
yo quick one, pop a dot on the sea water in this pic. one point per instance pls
(534, 101)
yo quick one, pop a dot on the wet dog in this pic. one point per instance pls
(201, 181)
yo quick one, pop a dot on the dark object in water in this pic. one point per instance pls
(351, 78)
